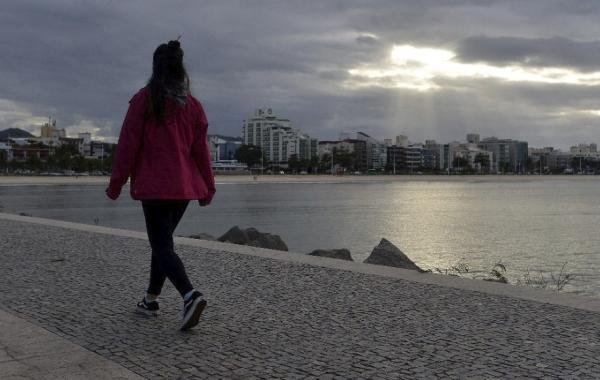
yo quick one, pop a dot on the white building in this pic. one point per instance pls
(472, 154)
(229, 166)
(86, 143)
(215, 143)
(585, 151)
(469, 152)
(327, 147)
(276, 137)
(401, 140)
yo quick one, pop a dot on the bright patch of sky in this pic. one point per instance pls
(418, 68)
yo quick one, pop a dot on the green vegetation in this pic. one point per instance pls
(250, 155)
(298, 166)
(3, 160)
(484, 162)
(63, 158)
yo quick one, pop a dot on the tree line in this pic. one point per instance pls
(255, 158)
(63, 158)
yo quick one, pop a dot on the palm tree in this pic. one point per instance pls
(484, 162)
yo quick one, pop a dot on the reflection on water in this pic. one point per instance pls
(533, 223)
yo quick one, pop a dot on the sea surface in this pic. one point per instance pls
(528, 223)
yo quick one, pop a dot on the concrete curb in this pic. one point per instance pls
(569, 300)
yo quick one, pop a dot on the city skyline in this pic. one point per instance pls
(524, 70)
(342, 135)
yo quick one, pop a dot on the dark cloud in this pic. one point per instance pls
(537, 52)
(81, 61)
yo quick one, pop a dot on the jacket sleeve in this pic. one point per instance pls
(201, 154)
(130, 140)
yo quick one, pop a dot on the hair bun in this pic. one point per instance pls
(174, 45)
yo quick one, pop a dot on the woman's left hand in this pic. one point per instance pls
(113, 193)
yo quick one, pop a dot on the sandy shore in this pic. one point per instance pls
(242, 179)
(220, 179)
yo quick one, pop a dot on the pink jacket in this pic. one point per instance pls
(168, 160)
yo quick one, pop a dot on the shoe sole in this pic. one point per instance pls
(198, 308)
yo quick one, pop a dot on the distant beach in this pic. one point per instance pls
(289, 178)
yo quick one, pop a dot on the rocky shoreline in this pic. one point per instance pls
(385, 253)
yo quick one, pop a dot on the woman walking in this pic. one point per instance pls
(164, 149)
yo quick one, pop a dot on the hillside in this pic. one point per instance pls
(14, 132)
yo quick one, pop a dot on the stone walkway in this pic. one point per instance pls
(28, 351)
(272, 318)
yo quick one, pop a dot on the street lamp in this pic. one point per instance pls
(448, 159)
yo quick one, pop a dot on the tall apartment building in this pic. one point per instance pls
(86, 146)
(276, 137)
(308, 147)
(376, 151)
(415, 158)
(412, 158)
(437, 154)
(396, 159)
(508, 155)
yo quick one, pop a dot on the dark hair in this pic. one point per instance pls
(169, 79)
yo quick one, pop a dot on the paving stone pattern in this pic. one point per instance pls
(273, 319)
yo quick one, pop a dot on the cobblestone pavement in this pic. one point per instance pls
(268, 318)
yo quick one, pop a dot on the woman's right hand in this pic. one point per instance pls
(205, 201)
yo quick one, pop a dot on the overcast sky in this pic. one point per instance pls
(426, 69)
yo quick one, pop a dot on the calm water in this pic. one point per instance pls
(534, 223)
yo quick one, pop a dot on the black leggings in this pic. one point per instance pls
(162, 217)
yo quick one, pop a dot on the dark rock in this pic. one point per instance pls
(203, 236)
(342, 254)
(252, 234)
(235, 235)
(266, 240)
(388, 254)
(254, 238)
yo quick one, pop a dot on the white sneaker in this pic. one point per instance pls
(192, 309)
